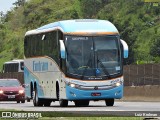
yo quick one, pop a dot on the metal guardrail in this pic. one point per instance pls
(139, 75)
(134, 75)
(16, 75)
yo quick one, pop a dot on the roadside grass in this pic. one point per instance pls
(80, 118)
(67, 116)
(94, 118)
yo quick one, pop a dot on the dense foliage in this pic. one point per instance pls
(137, 22)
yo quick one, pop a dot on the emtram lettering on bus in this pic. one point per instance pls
(40, 66)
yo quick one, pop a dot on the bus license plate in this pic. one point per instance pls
(95, 94)
(11, 96)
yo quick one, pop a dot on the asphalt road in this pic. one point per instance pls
(98, 107)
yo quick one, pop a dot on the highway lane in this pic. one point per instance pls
(93, 106)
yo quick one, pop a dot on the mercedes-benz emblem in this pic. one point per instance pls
(96, 87)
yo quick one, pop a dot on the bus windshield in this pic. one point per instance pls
(93, 57)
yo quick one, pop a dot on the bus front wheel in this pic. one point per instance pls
(28, 99)
(36, 100)
(47, 103)
(109, 102)
(63, 103)
(81, 103)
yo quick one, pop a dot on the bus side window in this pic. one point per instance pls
(3, 69)
(16, 67)
(6, 68)
(11, 68)
(25, 46)
(52, 47)
(22, 65)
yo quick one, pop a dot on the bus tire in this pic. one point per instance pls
(31, 90)
(28, 100)
(109, 102)
(36, 100)
(57, 90)
(63, 103)
(81, 103)
(47, 103)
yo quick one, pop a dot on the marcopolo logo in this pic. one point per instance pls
(40, 66)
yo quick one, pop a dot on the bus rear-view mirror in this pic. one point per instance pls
(62, 49)
(125, 48)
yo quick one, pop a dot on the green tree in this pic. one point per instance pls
(19, 3)
(91, 7)
(155, 48)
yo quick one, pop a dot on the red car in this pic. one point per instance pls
(11, 90)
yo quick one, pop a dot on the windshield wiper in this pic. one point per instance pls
(102, 66)
(86, 67)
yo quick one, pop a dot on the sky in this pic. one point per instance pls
(6, 5)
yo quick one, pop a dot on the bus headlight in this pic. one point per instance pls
(118, 84)
(72, 85)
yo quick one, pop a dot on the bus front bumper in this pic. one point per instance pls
(77, 94)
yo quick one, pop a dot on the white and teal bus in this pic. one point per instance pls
(74, 60)
(16, 65)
